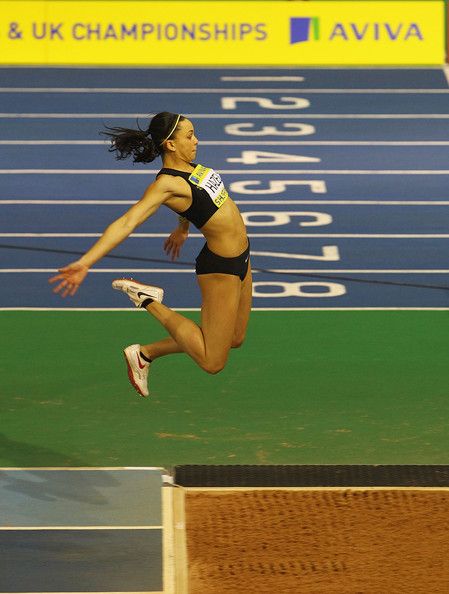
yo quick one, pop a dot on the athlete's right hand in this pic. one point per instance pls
(71, 276)
(174, 242)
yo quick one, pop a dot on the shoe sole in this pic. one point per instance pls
(130, 280)
(131, 378)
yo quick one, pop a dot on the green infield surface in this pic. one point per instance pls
(307, 387)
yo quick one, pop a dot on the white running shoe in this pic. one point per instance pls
(138, 369)
(138, 292)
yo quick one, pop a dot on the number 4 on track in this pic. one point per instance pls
(256, 157)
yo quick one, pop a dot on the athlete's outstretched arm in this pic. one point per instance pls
(72, 275)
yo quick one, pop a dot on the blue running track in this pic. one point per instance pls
(341, 176)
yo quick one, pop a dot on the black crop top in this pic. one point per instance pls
(208, 193)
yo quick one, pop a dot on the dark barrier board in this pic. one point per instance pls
(312, 476)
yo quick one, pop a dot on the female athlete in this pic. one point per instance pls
(197, 194)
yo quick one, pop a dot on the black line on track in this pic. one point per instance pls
(312, 275)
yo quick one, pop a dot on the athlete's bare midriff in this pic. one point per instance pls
(225, 231)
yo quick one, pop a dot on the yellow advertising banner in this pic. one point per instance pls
(222, 33)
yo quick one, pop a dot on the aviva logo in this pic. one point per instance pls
(304, 29)
(309, 28)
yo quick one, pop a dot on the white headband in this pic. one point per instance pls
(172, 130)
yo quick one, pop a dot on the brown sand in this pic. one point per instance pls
(344, 541)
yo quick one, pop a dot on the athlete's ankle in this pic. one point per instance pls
(146, 356)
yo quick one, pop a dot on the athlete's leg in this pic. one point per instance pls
(167, 346)
(219, 310)
(244, 311)
(209, 344)
(185, 332)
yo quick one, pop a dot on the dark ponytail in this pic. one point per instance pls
(143, 145)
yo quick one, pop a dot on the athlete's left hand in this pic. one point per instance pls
(174, 243)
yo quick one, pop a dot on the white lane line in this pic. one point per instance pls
(221, 116)
(77, 468)
(168, 548)
(181, 564)
(205, 91)
(230, 171)
(35, 528)
(52, 142)
(77, 171)
(367, 143)
(107, 270)
(128, 309)
(240, 202)
(78, 309)
(354, 271)
(262, 78)
(274, 270)
(252, 235)
(347, 202)
(351, 309)
(67, 202)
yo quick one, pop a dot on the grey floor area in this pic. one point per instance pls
(81, 530)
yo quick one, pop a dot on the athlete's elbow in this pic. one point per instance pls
(123, 227)
(127, 224)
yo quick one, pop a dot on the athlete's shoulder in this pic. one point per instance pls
(171, 184)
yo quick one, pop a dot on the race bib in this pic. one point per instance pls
(209, 180)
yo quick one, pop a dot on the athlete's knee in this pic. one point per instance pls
(238, 340)
(213, 367)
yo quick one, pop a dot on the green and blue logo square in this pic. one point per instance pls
(304, 29)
